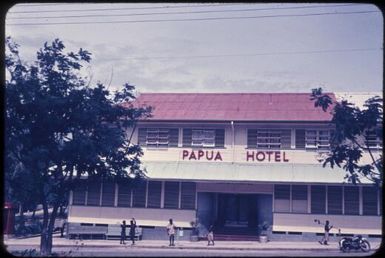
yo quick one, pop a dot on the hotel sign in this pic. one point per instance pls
(270, 156)
(201, 155)
(251, 156)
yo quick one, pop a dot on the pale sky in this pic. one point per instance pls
(187, 47)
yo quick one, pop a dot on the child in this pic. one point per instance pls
(210, 235)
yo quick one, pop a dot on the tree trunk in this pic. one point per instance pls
(46, 242)
(46, 235)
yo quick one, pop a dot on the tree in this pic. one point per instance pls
(58, 129)
(350, 139)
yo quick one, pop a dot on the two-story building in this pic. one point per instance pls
(236, 161)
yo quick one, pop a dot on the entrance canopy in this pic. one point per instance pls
(235, 172)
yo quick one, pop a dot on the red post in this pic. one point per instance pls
(9, 218)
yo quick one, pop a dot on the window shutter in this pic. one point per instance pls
(300, 138)
(369, 199)
(108, 196)
(318, 199)
(142, 134)
(252, 138)
(171, 195)
(286, 139)
(93, 193)
(187, 137)
(154, 194)
(139, 195)
(79, 194)
(220, 138)
(124, 195)
(351, 195)
(299, 192)
(173, 137)
(282, 198)
(188, 196)
(282, 192)
(334, 200)
(299, 198)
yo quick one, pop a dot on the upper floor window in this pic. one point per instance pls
(203, 138)
(158, 137)
(206, 138)
(269, 138)
(317, 139)
(373, 139)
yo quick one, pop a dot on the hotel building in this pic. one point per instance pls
(237, 161)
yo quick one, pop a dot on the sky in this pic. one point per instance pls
(213, 47)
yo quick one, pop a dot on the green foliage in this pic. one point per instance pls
(58, 128)
(348, 143)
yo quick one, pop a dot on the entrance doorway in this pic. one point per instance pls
(244, 210)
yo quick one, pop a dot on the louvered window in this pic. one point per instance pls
(282, 198)
(318, 199)
(124, 195)
(219, 138)
(369, 200)
(171, 195)
(108, 194)
(188, 196)
(203, 138)
(139, 195)
(269, 138)
(318, 139)
(299, 198)
(154, 194)
(351, 200)
(79, 194)
(334, 199)
(93, 195)
(373, 139)
(300, 139)
(158, 137)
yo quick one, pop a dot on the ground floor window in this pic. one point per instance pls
(171, 195)
(369, 200)
(334, 198)
(148, 194)
(299, 198)
(351, 200)
(124, 195)
(282, 198)
(318, 199)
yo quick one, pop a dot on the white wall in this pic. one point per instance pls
(347, 223)
(143, 216)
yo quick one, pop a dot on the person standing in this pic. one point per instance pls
(171, 232)
(132, 230)
(123, 232)
(325, 238)
(210, 235)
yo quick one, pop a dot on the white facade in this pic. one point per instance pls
(279, 181)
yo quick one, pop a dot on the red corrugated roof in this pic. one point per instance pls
(233, 106)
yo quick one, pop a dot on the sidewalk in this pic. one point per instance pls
(219, 245)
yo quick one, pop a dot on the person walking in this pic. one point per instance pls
(210, 235)
(123, 232)
(132, 230)
(171, 232)
(325, 238)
